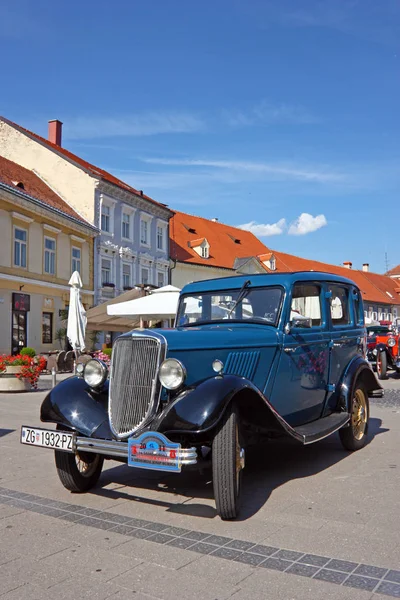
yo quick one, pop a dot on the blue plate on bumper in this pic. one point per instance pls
(152, 450)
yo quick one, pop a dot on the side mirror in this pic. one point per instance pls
(305, 323)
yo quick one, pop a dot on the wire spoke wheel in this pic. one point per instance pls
(354, 435)
(359, 414)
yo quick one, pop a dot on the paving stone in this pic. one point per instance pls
(332, 576)
(176, 531)
(288, 554)
(72, 517)
(240, 545)
(264, 550)
(314, 559)
(250, 559)
(88, 512)
(370, 571)
(157, 527)
(393, 576)
(202, 548)
(362, 583)
(196, 535)
(341, 565)
(304, 570)
(156, 554)
(218, 540)
(99, 524)
(160, 538)
(227, 553)
(123, 529)
(91, 522)
(388, 588)
(140, 533)
(180, 542)
(279, 564)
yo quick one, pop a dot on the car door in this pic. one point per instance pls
(299, 389)
(346, 324)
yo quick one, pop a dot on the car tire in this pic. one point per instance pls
(354, 435)
(227, 465)
(78, 472)
(381, 365)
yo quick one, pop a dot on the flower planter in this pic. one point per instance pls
(10, 383)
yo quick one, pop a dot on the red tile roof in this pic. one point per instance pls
(394, 271)
(95, 171)
(185, 229)
(26, 181)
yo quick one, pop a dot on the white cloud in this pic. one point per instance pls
(265, 229)
(140, 124)
(273, 170)
(270, 114)
(306, 223)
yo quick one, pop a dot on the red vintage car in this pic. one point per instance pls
(383, 349)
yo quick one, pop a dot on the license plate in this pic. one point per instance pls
(152, 450)
(47, 438)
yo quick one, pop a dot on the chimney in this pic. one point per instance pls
(55, 132)
(347, 264)
(366, 267)
(215, 220)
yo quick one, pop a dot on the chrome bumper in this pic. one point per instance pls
(186, 456)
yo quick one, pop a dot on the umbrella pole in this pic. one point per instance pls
(77, 355)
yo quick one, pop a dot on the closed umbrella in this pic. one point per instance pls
(76, 315)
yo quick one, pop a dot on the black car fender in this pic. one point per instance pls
(76, 406)
(198, 410)
(357, 370)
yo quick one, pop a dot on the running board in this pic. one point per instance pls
(320, 429)
(376, 393)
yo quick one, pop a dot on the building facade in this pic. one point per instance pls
(132, 247)
(42, 241)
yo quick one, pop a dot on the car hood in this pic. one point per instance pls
(214, 337)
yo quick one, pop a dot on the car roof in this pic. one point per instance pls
(262, 280)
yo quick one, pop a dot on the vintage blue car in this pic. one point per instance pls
(251, 357)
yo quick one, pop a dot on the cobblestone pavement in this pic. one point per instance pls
(317, 523)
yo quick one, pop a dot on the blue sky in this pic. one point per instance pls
(281, 116)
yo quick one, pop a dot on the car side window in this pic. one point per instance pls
(306, 303)
(339, 304)
(357, 304)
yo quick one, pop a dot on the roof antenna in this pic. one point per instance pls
(386, 262)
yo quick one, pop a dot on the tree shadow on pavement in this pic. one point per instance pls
(268, 466)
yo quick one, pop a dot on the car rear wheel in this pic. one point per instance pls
(354, 435)
(227, 465)
(381, 365)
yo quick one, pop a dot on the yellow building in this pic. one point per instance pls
(42, 241)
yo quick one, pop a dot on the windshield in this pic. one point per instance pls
(376, 330)
(257, 304)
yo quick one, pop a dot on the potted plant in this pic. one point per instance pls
(20, 373)
(60, 336)
(108, 284)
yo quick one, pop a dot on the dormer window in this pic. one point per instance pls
(268, 260)
(201, 247)
(272, 263)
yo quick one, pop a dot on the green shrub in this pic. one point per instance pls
(107, 351)
(28, 352)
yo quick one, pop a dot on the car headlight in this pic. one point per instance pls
(172, 374)
(95, 373)
(391, 342)
(374, 351)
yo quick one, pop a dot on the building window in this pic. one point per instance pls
(20, 250)
(49, 256)
(105, 218)
(160, 237)
(105, 271)
(160, 279)
(144, 232)
(76, 259)
(145, 276)
(47, 328)
(126, 275)
(204, 251)
(126, 226)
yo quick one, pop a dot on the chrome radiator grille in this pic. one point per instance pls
(134, 388)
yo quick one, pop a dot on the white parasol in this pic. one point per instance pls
(76, 315)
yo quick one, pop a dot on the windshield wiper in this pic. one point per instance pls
(241, 295)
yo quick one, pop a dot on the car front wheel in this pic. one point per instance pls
(354, 435)
(227, 465)
(78, 472)
(381, 365)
